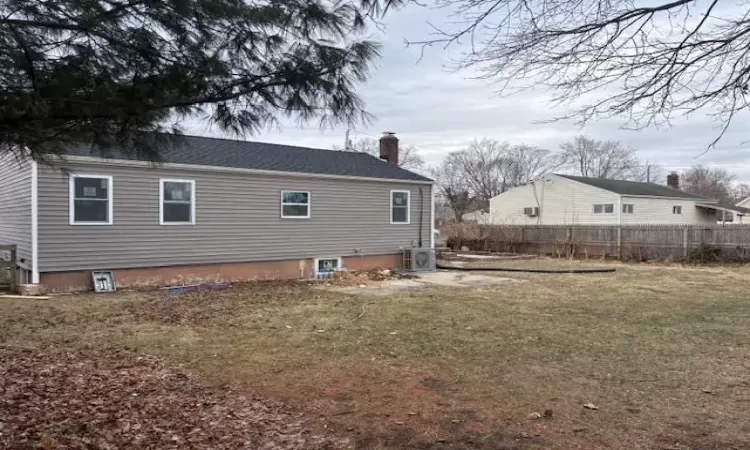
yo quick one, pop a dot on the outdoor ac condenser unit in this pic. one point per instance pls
(421, 260)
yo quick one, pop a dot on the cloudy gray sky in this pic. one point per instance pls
(440, 111)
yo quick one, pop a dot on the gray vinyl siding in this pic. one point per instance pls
(238, 218)
(15, 207)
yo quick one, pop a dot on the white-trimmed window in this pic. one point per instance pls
(327, 265)
(604, 208)
(677, 209)
(90, 199)
(627, 208)
(295, 204)
(176, 202)
(400, 207)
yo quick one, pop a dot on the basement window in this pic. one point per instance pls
(177, 202)
(327, 265)
(400, 206)
(90, 199)
(295, 204)
(604, 208)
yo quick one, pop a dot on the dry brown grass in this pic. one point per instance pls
(663, 352)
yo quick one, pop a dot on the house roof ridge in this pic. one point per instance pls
(267, 156)
(634, 188)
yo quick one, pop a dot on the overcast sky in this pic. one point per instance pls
(439, 111)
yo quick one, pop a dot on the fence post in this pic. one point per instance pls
(619, 242)
(685, 241)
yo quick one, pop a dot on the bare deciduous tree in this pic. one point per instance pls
(492, 167)
(709, 182)
(525, 163)
(469, 178)
(600, 159)
(648, 61)
(452, 186)
(649, 173)
(408, 158)
(480, 165)
(740, 192)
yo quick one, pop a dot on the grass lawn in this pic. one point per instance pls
(662, 351)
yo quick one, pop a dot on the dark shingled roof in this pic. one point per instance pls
(634, 188)
(205, 151)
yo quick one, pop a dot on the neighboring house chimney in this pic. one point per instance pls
(673, 180)
(389, 147)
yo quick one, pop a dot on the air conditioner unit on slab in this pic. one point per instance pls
(420, 259)
(531, 212)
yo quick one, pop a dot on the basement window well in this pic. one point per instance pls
(327, 265)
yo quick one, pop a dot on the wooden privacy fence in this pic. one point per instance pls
(8, 273)
(731, 242)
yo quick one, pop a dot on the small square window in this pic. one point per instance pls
(677, 209)
(627, 208)
(295, 204)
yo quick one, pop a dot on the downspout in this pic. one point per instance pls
(421, 216)
(34, 222)
(432, 216)
(619, 226)
(619, 210)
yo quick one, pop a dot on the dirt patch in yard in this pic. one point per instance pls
(422, 281)
(61, 400)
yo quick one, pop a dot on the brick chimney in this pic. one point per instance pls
(673, 180)
(389, 147)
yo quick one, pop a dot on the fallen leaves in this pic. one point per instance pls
(57, 400)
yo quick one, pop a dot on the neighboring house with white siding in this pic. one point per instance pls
(571, 200)
(215, 209)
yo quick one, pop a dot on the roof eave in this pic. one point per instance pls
(692, 199)
(701, 199)
(723, 208)
(206, 168)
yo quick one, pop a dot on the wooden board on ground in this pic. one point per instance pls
(28, 297)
